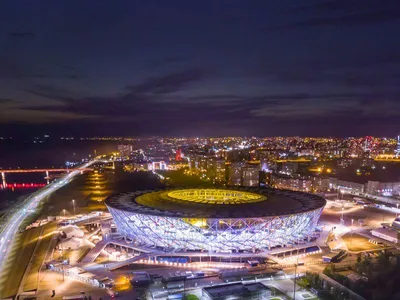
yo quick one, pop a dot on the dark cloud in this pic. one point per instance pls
(53, 93)
(342, 13)
(169, 83)
(342, 6)
(6, 101)
(20, 35)
(354, 19)
(13, 69)
(181, 68)
(140, 101)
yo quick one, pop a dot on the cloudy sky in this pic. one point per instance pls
(324, 67)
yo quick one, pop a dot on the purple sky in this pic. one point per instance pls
(200, 67)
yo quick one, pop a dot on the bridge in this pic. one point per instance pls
(43, 170)
(47, 171)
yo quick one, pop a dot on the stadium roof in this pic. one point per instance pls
(168, 203)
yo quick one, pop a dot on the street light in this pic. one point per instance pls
(295, 273)
(342, 218)
(73, 205)
(351, 239)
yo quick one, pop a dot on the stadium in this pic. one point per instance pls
(230, 219)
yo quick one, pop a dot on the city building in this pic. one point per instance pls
(289, 168)
(230, 291)
(199, 162)
(216, 169)
(397, 150)
(178, 155)
(386, 234)
(347, 186)
(125, 150)
(298, 182)
(294, 183)
(157, 165)
(235, 173)
(383, 188)
(250, 175)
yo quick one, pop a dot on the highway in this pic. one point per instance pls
(29, 205)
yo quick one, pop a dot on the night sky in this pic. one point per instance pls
(199, 68)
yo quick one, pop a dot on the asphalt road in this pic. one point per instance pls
(29, 206)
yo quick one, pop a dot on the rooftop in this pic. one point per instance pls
(235, 289)
(235, 202)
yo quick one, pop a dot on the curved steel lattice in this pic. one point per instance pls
(216, 234)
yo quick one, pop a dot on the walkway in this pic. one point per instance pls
(99, 248)
(120, 264)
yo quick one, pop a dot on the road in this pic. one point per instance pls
(30, 204)
(28, 268)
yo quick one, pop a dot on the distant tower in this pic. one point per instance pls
(397, 151)
(368, 145)
(178, 155)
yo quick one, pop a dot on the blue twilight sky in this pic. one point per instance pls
(288, 67)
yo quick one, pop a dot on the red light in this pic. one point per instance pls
(24, 185)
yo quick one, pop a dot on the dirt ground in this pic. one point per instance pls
(356, 243)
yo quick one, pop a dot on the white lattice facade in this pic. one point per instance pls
(215, 234)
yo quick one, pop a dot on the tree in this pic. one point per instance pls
(358, 259)
(383, 259)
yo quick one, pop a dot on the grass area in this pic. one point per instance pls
(17, 261)
(302, 282)
(356, 243)
(40, 255)
(83, 190)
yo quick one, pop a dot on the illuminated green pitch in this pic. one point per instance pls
(215, 196)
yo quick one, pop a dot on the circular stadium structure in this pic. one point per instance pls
(216, 219)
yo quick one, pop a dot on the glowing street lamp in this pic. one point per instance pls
(351, 237)
(73, 205)
(342, 218)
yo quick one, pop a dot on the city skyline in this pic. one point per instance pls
(266, 69)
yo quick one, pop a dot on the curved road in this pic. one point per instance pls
(30, 204)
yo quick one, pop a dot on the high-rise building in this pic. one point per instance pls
(216, 169)
(125, 150)
(178, 155)
(201, 163)
(235, 173)
(241, 173)
(397, 151)
(157, 165)
(220, 170)
(250, 175)
(290, 167)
